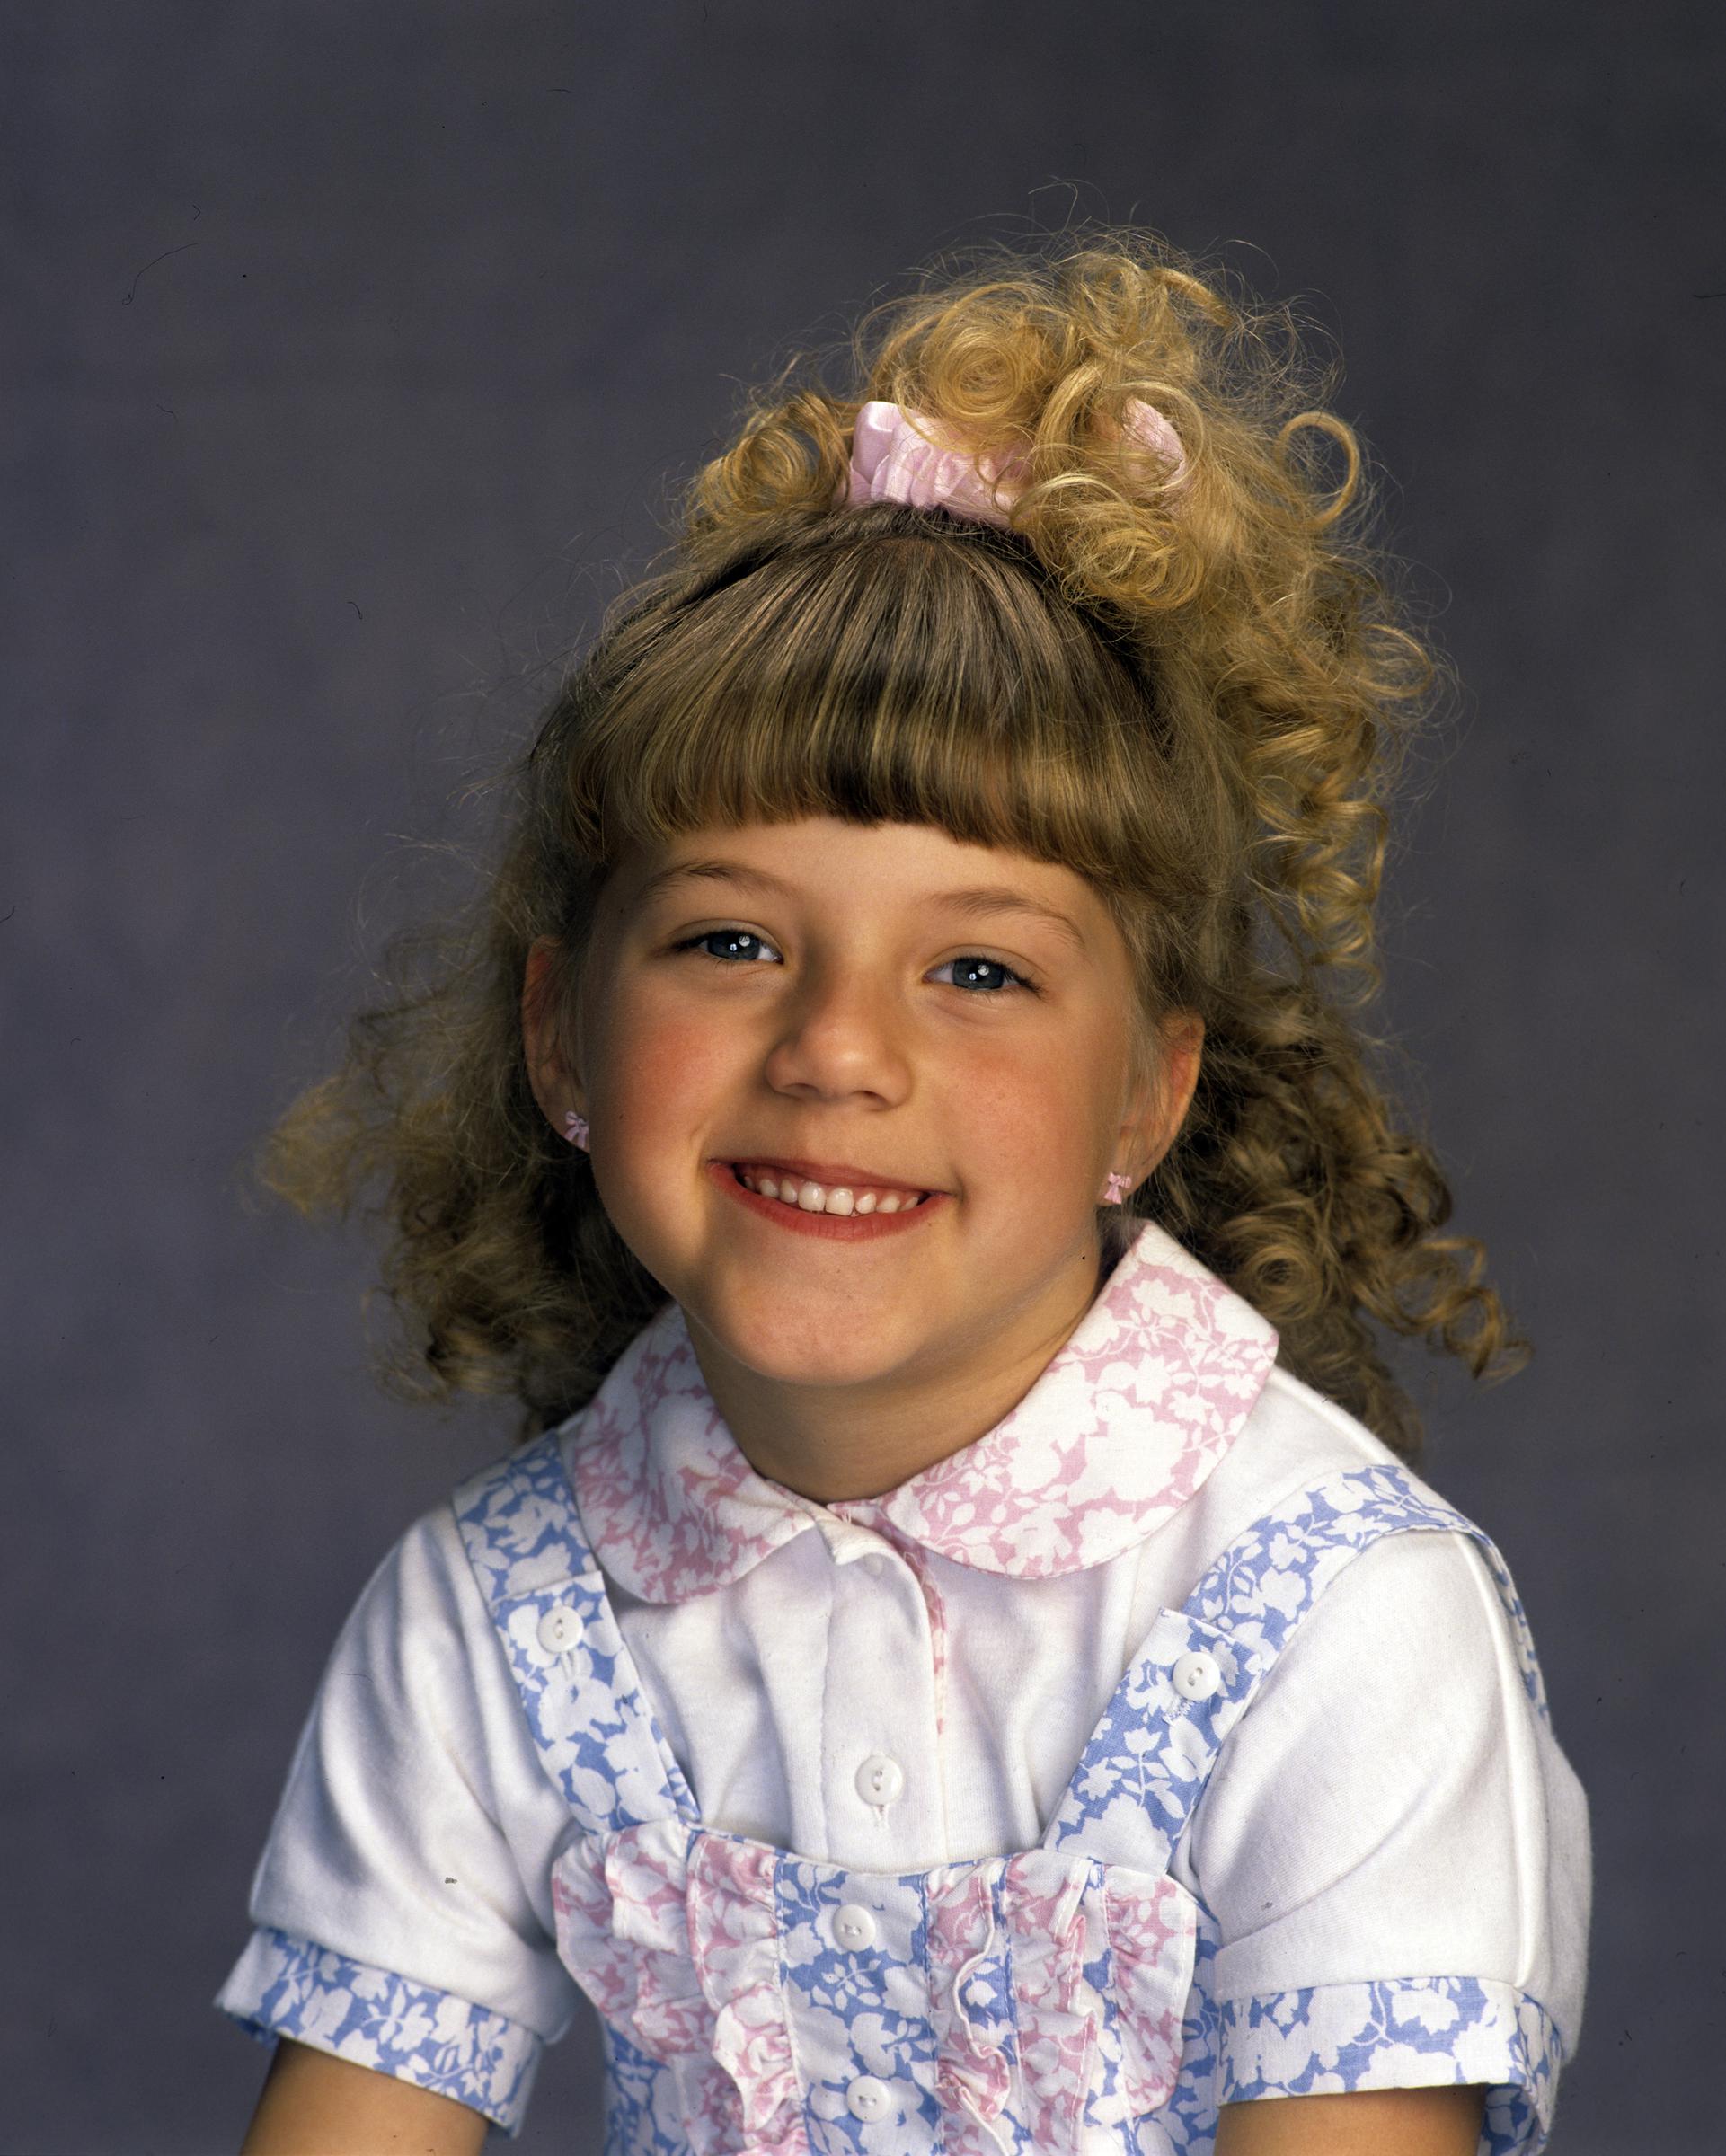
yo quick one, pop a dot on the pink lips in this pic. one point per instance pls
(834, 1227)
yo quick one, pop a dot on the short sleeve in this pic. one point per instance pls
(1396, 1852)
(403, 1900)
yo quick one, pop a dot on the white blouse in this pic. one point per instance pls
(907, 1681)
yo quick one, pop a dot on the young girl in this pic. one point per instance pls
(965, 1666)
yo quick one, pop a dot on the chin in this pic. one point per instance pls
(810, 1340)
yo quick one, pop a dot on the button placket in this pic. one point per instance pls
(881, 1720)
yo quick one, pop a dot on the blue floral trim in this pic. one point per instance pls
(1416, 2032)
(284, 1987)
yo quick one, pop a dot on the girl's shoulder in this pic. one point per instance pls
(1296, 1454)
(1309, 1526)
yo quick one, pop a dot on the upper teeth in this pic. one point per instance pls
(816, 1198)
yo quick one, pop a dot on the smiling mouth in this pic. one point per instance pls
(843, 1200)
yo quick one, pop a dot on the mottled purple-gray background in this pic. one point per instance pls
(346, 351)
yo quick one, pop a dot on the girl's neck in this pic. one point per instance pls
(837, 1444)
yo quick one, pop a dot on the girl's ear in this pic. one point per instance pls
(1160, 1106)
(556, 1087)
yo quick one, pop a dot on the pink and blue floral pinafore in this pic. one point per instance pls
(1052, 2001)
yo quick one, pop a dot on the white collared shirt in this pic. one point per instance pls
(1393, 1805)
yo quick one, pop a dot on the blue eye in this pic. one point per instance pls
(721, 935)
(983, 988)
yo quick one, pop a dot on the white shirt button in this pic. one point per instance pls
(880, 1779)
(868, 2097)
(874, 1566)
(1197, 1676)
(852, 1926)
(559, 1630)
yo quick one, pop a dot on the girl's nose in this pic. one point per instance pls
(838, 1034)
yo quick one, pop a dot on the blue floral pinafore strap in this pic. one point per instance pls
(599, 1739)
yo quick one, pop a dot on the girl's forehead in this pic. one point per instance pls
(831, 858)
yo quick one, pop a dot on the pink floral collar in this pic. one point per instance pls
(1125, 1422)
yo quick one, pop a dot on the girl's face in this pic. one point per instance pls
(868, 1007)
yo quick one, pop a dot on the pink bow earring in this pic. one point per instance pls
(575, 1128)
(1117, 1188)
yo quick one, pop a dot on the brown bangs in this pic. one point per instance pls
(885, 667)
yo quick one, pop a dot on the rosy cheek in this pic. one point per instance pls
(664, 1068)
(1029, 1118)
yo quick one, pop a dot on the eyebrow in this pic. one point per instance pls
(976, 900)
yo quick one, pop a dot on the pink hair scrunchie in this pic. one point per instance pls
(897, 455)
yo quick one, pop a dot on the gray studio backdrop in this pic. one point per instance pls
(345, 350)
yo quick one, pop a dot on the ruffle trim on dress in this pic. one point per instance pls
(674, 1936)
(1039, 1966)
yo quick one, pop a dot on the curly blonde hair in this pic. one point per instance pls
(1193, 689)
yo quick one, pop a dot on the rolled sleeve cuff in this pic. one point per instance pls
(1415, 2032)
(283, 1986)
